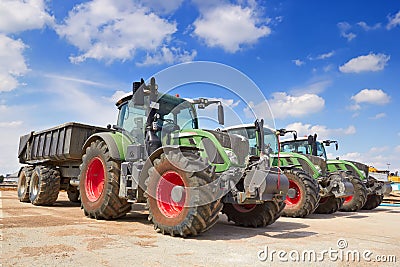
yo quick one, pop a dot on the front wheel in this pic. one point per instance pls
(255, 215)
(357, 200)
(329, 205)
(99, 184)
(373, 201)
(178, 201)
(303, 195)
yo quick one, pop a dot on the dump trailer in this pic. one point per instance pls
(53, 157)
(155, 154)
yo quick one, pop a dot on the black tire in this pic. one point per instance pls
(44, 186)
(191, 215)
(305, 191)
(329, 205)
(358, 199)
(259, 215)
(99, 184)
(372, 202)
(73, 194)
(23, 183)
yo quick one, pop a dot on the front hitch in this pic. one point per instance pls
(336, 184)
(264, 185)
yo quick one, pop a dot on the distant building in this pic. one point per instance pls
(11, 178)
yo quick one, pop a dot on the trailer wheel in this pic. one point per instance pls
(177, 199)
(73, 194)
(328, 205)
(99, 184)
(358, 199)
(303, 194)
(373, 201)
(255, 215)
(23, 183)
(44, 186)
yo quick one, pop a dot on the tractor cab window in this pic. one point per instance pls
(133, 120)
(173, 114)
(299, 146)
(270, 139)
(321, 150)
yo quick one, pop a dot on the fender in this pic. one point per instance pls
(112, 145)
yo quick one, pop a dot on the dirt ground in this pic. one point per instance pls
(62, 236)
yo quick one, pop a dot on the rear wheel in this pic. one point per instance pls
(328, 205)
(23, 183)
(303, 194)
(44, 185)
(255, 215)
(358, 199)
(373, 201)
(178, 201)
(99, 184)
(73, 194)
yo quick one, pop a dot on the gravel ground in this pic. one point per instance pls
(62, 236)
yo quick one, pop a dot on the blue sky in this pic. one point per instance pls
(330, 67)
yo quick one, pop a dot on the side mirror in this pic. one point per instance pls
(138, 93)
(337, 146)
(221, 118)
(295, 136)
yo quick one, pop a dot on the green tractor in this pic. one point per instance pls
(311, 188)
(156, 154)
(374, 187)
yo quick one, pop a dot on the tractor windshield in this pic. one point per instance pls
(302, 147)
(270, 139)
(171, 110)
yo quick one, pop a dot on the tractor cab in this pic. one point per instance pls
(306, 146)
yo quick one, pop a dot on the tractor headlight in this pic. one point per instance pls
(232, 156)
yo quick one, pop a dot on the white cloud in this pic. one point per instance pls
(298, 62)
(322, 131)
(371, 96)
(117, 96)
(115, 30)
(10, 124)
(162, 6)
(370, 62)
(366, 27)
(230, 27)
(22, 15)
(169, 56)
(394, 21)
(284, 105)
(344, 29)
(378, 116)
(12, 62)
(326, 55)
(314, 87)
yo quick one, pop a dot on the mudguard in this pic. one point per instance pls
(115, 147)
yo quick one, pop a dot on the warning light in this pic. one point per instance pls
(177, 95)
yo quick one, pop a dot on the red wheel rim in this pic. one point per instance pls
(291, 201)
(171, 194)
(243, 208)
(94, 184)
(348, 199)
